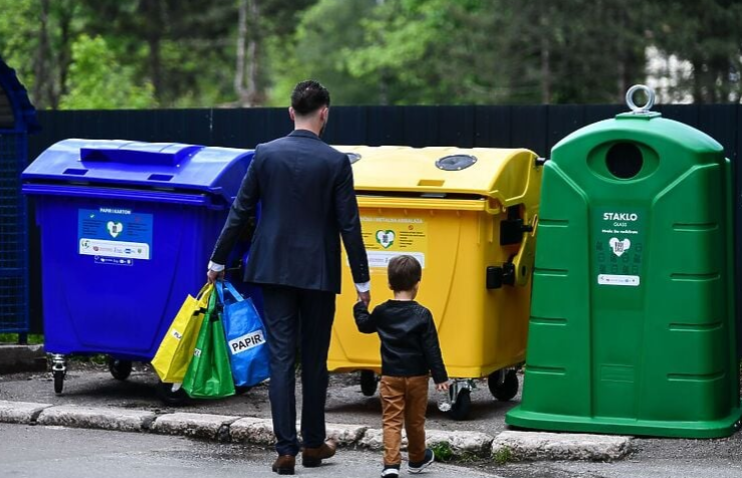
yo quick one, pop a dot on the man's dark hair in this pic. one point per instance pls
(404, 272)
(309, 96)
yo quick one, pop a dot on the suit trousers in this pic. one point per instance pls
(404, 401)
(298, 317)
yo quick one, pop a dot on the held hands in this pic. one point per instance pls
(213, 276)
(364, 297)
(441, 387)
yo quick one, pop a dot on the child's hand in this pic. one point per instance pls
(442, 387)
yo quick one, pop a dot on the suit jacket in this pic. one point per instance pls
(308, 203)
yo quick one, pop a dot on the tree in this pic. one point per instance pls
(708, 34)
(316, 50)
(97, 81)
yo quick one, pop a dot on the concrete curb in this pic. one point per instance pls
(257, 431)
(518, 445)
(119, 419)
(456, 443)
(21, 412)
(214, 427)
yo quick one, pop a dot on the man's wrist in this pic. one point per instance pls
(363, 287)
(213, 266)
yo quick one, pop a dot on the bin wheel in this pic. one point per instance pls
(120, 369)
(368, 383)
(58, 381)
(506, 390)
(169, 396)
(460, 410)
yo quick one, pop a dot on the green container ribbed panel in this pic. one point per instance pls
(632, 328)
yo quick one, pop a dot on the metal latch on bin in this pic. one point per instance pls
(517, 270)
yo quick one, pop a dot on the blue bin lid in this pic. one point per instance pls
(127, 164)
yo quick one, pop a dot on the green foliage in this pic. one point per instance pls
(313, 51)
(17, 41)
(443, 452)
(183, 53)
(503, 456)
(98, 81)
(33, 339)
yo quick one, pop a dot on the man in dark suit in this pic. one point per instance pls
(307, 200)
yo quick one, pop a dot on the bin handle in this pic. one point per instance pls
(636, 109)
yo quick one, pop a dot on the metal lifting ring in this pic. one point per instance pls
(630, 98)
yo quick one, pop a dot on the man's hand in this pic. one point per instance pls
(442, 387)
(213, 276)
(364, 297)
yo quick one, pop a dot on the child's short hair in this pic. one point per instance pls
(404, 272)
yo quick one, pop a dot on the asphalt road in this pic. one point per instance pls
(50, 452)
(54, 452)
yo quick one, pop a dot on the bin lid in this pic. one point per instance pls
(502, 174)
(129, 164)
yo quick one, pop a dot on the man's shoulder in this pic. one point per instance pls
(287, 143)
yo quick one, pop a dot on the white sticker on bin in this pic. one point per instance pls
(624, 280)
(120, 249)
(380, 259)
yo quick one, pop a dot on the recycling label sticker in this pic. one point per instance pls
(115, 236)
(618, 248)
(387, 237)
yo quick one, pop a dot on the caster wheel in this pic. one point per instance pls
(460, 410)
(169, 396)
(58, 381)
(368, 383)
(506, 390)
(120, 369)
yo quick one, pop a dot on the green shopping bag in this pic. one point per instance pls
(209, 375)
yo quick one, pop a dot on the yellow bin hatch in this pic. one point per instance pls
(469, 216)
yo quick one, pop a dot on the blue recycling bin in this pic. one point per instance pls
(127, 229)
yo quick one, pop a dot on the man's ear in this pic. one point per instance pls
(292, 114)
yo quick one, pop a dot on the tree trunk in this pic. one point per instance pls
(66, 15)
(545, 59)
(698, 96)
(44, 85)
(239, 75)
(153, 13)
(247, 69)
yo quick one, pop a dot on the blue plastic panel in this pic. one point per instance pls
(177, 167)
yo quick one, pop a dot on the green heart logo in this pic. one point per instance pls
(114, 228)
(385, 238)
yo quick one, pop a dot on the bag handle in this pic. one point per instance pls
(223, 285)
(204, 290)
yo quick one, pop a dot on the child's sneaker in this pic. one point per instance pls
(390, 471)
(419, 466)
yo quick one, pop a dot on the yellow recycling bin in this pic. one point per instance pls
(469, 216)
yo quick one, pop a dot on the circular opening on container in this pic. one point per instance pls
(624, 160)
(353, 157)
(455, 162)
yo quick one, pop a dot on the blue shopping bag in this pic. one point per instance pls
(248, 351)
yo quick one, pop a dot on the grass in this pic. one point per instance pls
(503, 456)
(13, 339)
(443, 452)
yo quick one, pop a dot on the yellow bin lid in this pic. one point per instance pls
(506, 175)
